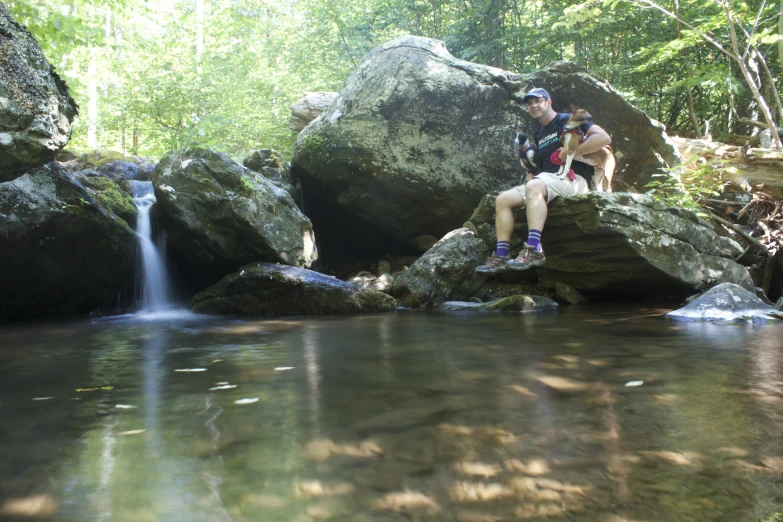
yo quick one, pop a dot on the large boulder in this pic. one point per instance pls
(220, 215)
(270, 289)
(417, 137)
(444, 273)
(726, 303)
(61, 252)
(36, 110)
(627, 245)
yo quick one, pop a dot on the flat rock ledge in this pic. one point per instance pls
(263, 289)
(727, 303)
(625, 245)
(515, 303)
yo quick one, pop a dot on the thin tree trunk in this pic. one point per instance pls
(92, 101)
(753, 87)
(780, 42)
(199, 34)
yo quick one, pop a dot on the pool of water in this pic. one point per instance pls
(605, 413)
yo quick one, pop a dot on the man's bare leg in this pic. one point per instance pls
(537, 211)
(505, 204)
(532, 255)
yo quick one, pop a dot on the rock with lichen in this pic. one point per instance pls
(62, 251)
(36, 109)
(446, 272)
(220, 215)
(417, 137)
(625, 245)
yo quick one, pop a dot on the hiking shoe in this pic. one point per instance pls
(528, 258)
(495, 265)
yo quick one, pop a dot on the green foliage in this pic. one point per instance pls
(776, 517)
(689, 185)
(152, 92)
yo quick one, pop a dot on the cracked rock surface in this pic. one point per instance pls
(36, 110)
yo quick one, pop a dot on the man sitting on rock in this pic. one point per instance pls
(543, 188)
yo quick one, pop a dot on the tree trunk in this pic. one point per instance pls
(92, 101)
(199, 34)
(753, 87)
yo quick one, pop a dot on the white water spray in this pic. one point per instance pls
(156, 291)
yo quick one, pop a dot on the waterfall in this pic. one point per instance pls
(155, 291)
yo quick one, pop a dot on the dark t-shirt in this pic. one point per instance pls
(548, 141)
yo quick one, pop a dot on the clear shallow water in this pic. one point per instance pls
(406, 416)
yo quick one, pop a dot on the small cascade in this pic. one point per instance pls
(156, 292)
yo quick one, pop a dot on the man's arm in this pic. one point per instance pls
(595, 139)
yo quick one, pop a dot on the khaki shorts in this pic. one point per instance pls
(559, 187)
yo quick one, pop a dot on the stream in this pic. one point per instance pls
(595, 413)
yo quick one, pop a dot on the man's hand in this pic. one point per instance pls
(561, 153)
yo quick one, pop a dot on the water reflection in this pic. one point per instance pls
(591, 414)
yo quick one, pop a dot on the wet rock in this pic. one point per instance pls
(383, 283)
(270, 289)
(563, 384)
(329, 509)
(568, 294)
(62, 252)
(779, 304)
(417, 137)
(629, 245)
(221, 215)
(514, 303)
(36, 109)
(724, 304)
(407, 502)
(446, 272)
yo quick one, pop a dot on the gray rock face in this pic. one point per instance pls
(629, 245)
(113, 165)
(726, 303)
(443, 273)
(221, 215)
(270, 164)
(61, 253)
(36, 110)
(417, 137)
(269, 289)
(568, 294)
(516, 303)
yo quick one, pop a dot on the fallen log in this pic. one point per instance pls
(761, 167)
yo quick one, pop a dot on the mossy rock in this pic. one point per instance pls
(109, 195)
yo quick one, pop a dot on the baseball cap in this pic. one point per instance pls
(538, 92)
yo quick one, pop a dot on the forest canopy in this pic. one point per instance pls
(154, 75)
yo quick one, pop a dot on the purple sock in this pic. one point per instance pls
(502, 249)
(534, 239)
